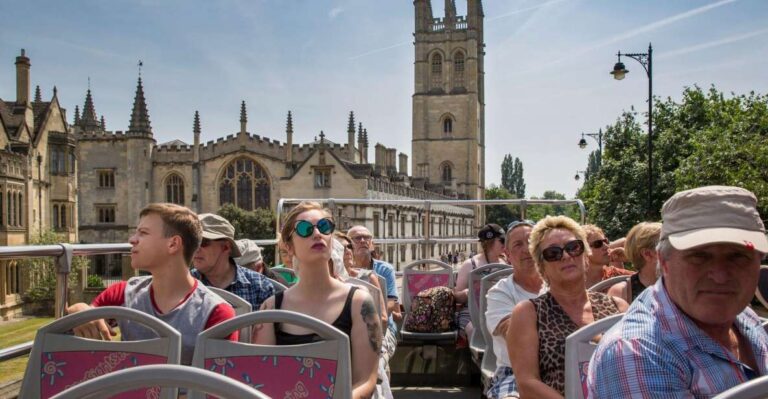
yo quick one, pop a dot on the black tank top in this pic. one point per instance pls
(635, 286)
(343, 323)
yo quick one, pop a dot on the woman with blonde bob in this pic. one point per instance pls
(307, 236)
(640, 248)
(536, 345)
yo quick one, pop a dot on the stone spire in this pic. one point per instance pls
(423, 11)
(351, 137)
(450, 14)
(88, 121)
(365, 144)
(77, 115)
(140, 125)
(38, 96)
(360, 141)
(475, 14)
(243, 117)
(103, 123)
(289, 139)
(196, 129)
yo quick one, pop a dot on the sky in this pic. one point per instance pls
(547, 66)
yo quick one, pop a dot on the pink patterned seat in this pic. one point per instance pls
(316, 370)
(415, 280)
(59, 360)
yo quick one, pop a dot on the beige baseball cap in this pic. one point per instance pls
(250, 252)
(713, 214)
(216, 227)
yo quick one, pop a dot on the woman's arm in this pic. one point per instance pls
(461, 291)
(619, 290)
(365, 341)
(264, 334)
(523, 350)
(382, 301)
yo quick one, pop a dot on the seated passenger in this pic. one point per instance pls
(215, 267)
(640, 249)
(284, 277)
(492, 243)
(692, 334)
(536, 344)
(363, 274)
(525, 283)
(165, 239)
(308, 235)
(250, 258)
(599, 258)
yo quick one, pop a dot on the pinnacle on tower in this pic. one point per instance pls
(243, 117)
(289, 123)
(365, 137)
(88, 121)
(351, 124)
(38, 96)
(196, 125)
(77, 115)
(103, 124)
(139, 125)
(360, 134)
(450, 10)
(55, 91)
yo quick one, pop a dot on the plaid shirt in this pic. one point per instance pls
(248, 284)
(656, 351)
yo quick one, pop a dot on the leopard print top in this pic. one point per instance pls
(553, 326)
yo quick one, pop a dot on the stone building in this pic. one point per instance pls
(38, 178)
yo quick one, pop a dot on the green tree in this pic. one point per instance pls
(500, 214)
(41, 272)
(512, 176)
(538, 212)
(254, 225)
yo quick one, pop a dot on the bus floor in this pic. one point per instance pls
(427, 371)
(436, 392)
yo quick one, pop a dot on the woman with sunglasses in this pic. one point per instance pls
(599, 259)
(536, 345)
(492, 243)
(308, 235)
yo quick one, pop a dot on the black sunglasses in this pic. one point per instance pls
(599, 243)
(305, 229)
(554, 253)
(206, 242)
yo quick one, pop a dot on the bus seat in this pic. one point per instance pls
(372, 289)
(754, 389)
(277, 285)
(578, 351)
(59, 360)
(418, 276)
(488, 362)
(169, 376)
(606, 284)
(477, 343)
(240, 305)
(762, 286)
(318, 369)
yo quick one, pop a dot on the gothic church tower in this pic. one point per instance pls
(448, 145)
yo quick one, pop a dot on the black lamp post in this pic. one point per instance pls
(580, 172)
(599, 138)
(619, 71)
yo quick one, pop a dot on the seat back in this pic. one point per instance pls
(240, 305)
(169, 376)
(754, 389)
(423, 274)
(372, 289)
(285, 273)
(383, 285)
(317, 369)
(606, 284)
(488, 364)
(278, 286)
(578, 350)
(477, 339)
(59, 360)
(762, 286)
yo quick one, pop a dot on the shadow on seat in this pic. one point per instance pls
(60, 360)
(169, 376)
(477, 343)
(488, 362)
(240, 305)
(314, 370)
(578, 351)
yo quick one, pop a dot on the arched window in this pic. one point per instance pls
(458, 69)
(63, 220)
(174, 189)
(447, 126)
(55, 216)
(245, 184)
(21, 208)
(447, 172)
(437, 71)
(11, 213)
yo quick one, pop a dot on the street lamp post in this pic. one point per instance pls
(619, 71)
(580, 172)
(599, 138)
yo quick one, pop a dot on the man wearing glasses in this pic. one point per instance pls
(362, 244)
(215, 267)
(599, 259)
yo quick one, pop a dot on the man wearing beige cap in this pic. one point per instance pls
(691, 334)
(215, 266)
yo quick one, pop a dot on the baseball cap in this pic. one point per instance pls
(216, 227)
(490, 231)
(249, 251)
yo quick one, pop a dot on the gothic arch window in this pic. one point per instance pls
(20, 208)
(55, 216)
(174, 189)
(447, 126)
(245, 184)
(446, 172)
(437, 70)
(458, 69)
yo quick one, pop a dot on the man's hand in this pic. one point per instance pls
(96, 329)
(617, 255)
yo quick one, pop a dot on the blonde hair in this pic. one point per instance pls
(643, 235)
(544, 227)
(592, 229)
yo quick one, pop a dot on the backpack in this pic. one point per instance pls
(432, 311)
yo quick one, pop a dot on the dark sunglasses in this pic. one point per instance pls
(599, 243)
(206, 242)
(305, 229)
(554, 253)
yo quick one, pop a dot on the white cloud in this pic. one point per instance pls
(335, 11)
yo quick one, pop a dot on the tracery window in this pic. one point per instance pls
(174, 189)
(245, 184)
(458, 69)
(447, 126)
(447, 172)
(437, 71)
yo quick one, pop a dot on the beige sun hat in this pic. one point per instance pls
(216, 227)
(250, 252)
(713, 214)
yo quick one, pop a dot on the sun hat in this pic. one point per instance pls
(216, 227)
(249, 252)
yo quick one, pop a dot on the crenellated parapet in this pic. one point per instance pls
(235, 142)
(101, 135)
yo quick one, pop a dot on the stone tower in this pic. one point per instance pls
(448, 144)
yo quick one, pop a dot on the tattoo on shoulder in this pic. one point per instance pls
(371, 319)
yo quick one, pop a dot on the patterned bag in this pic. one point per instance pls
(432, 311)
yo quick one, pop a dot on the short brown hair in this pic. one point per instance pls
(643, 235)
(181, 221)
(286, 231)
(544, 227)
(592, 229)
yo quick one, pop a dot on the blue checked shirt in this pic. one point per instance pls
(386, 270)
(248, 284)
(656, 351)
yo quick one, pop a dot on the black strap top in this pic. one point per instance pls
(343, 323)
(636, 287)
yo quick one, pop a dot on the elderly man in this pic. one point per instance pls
(524, 284)
(691, 334)
(250, 258)
(215, 266)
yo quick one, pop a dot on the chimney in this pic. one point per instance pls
(22, 78)
(403, 163)
(380, 158)
(392, 161)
